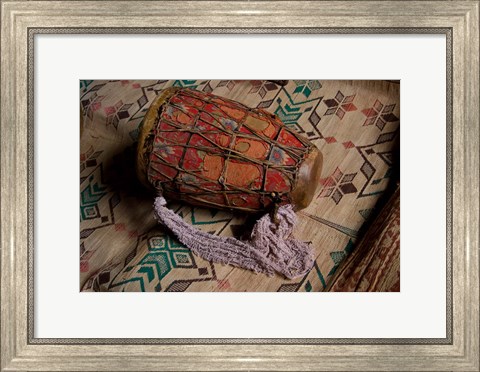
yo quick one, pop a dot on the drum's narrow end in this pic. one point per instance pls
(142, 151)
(308, 179)
(147, 129)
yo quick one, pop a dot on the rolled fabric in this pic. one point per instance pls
(374, 264)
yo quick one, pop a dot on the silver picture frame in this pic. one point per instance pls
(22, 20)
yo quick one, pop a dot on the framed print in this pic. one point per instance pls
(233, 189)
(423, 55)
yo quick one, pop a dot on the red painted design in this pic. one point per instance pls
(223, 284)
(84, 266)
(119, 227)
(212, 151)
(348, 144)
(340, 105)
(379, 114)
(110, 110)
(337, 185)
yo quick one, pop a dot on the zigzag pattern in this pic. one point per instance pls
(355, 129)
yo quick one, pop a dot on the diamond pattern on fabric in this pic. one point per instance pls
(355, 124)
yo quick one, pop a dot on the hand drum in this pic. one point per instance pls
(211, 151)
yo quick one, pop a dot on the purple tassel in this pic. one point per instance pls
(270, 250)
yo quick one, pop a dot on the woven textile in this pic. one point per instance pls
(354, 123)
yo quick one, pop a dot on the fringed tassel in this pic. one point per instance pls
(270, 250)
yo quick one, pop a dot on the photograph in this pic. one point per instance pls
(233, 167)
(240, 185)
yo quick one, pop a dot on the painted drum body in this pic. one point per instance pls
(210, 151)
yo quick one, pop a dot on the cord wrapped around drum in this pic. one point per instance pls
(209, 151)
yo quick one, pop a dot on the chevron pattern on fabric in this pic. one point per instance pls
(355, 124)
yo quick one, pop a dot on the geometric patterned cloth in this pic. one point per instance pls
(355, 124)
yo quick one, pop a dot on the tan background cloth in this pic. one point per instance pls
(354, 123)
